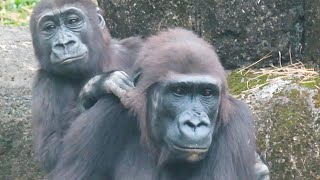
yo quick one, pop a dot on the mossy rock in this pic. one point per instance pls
(288, 125)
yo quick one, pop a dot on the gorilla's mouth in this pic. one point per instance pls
(193, 149)
(70, 59)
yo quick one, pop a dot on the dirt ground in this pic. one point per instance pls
(16, 56)
(17, 66)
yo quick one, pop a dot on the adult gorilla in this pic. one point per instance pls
(72, 45)
(190, 127)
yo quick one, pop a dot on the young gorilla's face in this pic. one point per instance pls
(66, 37)
(60, 32)
(182, 115)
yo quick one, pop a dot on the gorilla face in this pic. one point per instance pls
(65, 39)
(183, 114)
(61, 33)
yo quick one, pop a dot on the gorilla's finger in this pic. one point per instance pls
(115, 89)
(119, 74)
(128, 79)
(122, 75)
(118, 80)
(129, 82)
(127, 88)
(124, 86)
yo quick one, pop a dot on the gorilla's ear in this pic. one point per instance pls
(137, 76)
(102, 22)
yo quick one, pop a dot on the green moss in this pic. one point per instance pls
(313, 83)
(292, 136)
(317, 99)
(240, 81)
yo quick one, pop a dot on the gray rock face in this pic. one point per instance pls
(288, 128)
(312, 31)
(243, 31)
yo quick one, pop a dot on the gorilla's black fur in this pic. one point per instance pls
(190, 128)
(71, 44)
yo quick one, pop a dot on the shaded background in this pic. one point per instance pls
(286, 108)
(243, 31)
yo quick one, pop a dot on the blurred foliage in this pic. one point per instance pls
(16, 12)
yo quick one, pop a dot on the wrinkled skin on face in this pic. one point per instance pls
(183, 113)
(64, 35)
(64, 40)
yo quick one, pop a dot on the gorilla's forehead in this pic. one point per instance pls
(191, 78)
(57, 11)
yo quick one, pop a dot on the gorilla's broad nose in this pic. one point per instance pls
(68, 44)
(195, 125)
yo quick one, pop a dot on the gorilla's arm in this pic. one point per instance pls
(52, 110)
(115, 82)
(55, 107)
(95, 139)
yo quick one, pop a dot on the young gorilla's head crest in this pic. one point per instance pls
(179, 96)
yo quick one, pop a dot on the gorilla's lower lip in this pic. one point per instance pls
(189, 148)
(73, 58)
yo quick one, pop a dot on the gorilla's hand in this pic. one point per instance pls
(261, 169)
(116, 82)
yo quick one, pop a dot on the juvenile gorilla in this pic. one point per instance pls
(72, 45)
(190, 128)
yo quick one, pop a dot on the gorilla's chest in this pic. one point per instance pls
(135, 163)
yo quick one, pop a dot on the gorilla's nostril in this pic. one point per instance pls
(59, 46)
(70, 43)
(190, 124)
(202, 124)
(65, 44)
(195, 125)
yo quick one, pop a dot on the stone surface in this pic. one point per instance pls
(312, 32)
(288, 128)
(243, 31)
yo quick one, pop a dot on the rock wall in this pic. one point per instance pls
(243, 31)
(288, 129)
(312, 31)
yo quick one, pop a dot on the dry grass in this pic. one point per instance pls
(297, 71)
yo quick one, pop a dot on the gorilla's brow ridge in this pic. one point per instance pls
(193, 78)
(56, 12)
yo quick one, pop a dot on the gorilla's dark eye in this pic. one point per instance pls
(207, 92)
(73, 20)
(178, 91)
(49, 27)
